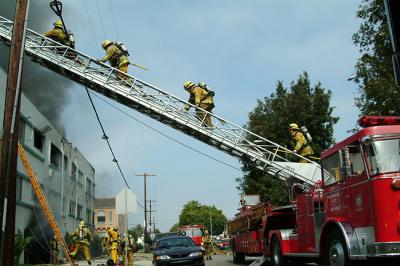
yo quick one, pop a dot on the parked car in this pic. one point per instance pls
(177, 250)
(157, 237)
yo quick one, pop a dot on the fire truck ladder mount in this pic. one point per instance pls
(163, 106)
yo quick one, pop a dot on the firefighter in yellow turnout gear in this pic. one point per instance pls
(201, 98)
(116, 56)
(54, 245)
(128, 245)
(84, 237)
(299, 143)
(58, 34)
(113, 243)
(207, 243)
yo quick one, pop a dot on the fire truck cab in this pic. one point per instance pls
(353, 213)
(194, 231)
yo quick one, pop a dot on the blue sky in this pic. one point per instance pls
(240, 48)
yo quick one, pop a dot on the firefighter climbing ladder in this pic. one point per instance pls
(43, 202)
(162, 106)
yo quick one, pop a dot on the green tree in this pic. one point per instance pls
(136, 231)
(301, 104)
(374, 70)
(174, 228)
(195, 213)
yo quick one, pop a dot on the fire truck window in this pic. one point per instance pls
(357, 165)
(197, 232)
(384, 156)
(331, 166)
(189, 233)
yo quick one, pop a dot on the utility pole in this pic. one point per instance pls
(150, 211)
(145, 175)
(8, 164)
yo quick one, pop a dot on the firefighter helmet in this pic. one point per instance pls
(82, 223)
(188, 84)
(106, 43)
(58, 24)
(294, 126)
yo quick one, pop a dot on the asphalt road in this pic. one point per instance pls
(218, 260)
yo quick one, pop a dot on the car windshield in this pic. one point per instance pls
(175, 241)
(384, 156)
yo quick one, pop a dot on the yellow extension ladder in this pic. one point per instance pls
(43, 202)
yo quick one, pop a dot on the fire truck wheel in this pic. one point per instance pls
(277, 259)
(238, 258)
(336, 254)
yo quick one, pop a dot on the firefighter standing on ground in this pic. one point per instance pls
(201, 98)
(300, 143)
(207, 244)
(54, 250)
(116, 56)
(128, 245)
(84, 238)
(113, 240)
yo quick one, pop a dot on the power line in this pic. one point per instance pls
(101, 19)
(91, 25)
(105, 137)
(165, 135)
(113, 19)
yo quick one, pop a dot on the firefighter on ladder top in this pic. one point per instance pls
(300, 143)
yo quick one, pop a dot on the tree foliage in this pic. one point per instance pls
(195, 213)
(374, 70)
(301, 104)
(174, 228)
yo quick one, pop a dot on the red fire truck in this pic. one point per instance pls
(353, 213)
(194, 231)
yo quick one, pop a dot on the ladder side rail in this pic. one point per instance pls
(144, 84)
(43, 202)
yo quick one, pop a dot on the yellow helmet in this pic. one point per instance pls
(82, 223)
(58, 24)
(188, 84)
(294, 126)
(106, 43)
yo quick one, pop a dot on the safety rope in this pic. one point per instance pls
(105, 137)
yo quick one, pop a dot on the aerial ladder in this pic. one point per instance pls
(43, 203)
(163, 106)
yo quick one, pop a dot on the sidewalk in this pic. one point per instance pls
(139, 259)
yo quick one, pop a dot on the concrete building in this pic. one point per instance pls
(67, 179)
(105, 215)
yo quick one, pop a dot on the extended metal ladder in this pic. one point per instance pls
(162, 106)
(43, 202)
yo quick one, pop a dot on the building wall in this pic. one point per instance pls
(67, 178)
(110, 219)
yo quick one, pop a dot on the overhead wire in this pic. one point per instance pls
(105, 137)
(113, 19)
(40, 227)
(165, 135)
(101, 20)
(91, 26)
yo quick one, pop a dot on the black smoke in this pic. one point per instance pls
(47, 90)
